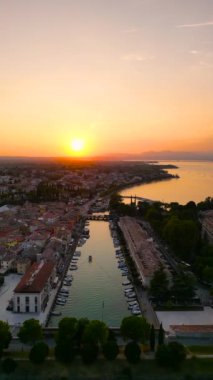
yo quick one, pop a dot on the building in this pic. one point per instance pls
(207, 224)
(142, 248)
(23, 265)
(32, 293)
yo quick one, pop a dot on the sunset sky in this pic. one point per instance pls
(123, 75)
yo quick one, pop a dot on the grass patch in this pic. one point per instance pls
(102, 369)
(201, 350)
(178, 308)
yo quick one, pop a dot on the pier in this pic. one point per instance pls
(135, 199)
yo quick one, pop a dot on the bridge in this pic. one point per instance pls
(104, 217)
(135, 198)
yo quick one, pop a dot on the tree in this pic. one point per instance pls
(183, 287)
(89, 353)
(5, 335)
(9, 365)
(162, 355)
(110, 350)
(161, 335)
(96, 332)
(152, 338)
(177, 354)
(39, 352)
(135, 328)
(65, 351)
(159, 285)
(182, 235)
(66, 338)
(67, 329)
(132, 352)
(82, 323)
(171, 355)
(30, 331)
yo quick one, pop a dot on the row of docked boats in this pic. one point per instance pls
(121, 262)
(131, 296)
(74, 261)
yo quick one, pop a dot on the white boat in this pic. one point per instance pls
(67, 283)
(136, 312)
(63, 290)
(60, 303)
(63, 295)
(55, 313)
(73, 267)
(68, 277)
(61, 299)
(130, 295)
(126, 282)
(129, 290)
(132, 303)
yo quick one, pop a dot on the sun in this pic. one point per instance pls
(77, 145)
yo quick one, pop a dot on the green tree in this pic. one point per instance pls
(110, 350)
(171, 355)
(208, 273)
(82, 323)
(132, 352)
(135, 328)
(65, 351)
(152, 338)
(89, 353)
(182, 236)
(30, 331)
(159, 285)
(5, 335)
(161, 335)
(183, 287)
(66, 339)
(67, 329)
(96, 332)
(39, 352)
(9, 365)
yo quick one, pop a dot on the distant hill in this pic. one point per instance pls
(158, 156)
(146, 156)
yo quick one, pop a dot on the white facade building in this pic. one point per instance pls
(32, 292)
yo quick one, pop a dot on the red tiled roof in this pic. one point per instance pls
(35, 278)
(193, 328)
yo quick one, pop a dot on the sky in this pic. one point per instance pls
(126, 76)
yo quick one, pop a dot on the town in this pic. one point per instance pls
(45, 216)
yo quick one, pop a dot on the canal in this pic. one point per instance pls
(96, 291)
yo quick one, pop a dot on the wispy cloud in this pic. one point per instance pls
(196, 25)
(132, 30)
(207, 65)
(137, 57)
(194, 52)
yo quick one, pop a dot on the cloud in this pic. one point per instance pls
(132, 30)
(206, 64)
(137, 57)
(197, 25)
(194, 52)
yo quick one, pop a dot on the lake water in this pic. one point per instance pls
(195, 183)
(96, 291)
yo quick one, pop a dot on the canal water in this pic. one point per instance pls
(96, 291)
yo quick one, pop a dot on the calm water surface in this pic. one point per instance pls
(195, 183)
(96, 291)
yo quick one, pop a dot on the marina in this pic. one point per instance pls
(93, 289)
